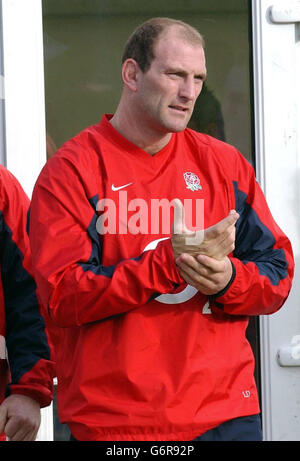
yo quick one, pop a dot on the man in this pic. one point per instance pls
(26, 372)
(152, 320)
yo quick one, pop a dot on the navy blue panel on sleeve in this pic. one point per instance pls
(25, 327)
(94, 263)
(255, 242)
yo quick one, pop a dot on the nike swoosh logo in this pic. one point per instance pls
(113, 188)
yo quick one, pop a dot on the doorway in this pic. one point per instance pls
(83, 44)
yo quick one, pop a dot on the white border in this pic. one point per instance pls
(275, 157)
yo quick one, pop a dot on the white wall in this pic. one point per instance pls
(24, 89)
(24, 122)
(277, 107)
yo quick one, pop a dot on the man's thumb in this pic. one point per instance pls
(178, 223)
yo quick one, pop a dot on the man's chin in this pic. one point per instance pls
(177, 127)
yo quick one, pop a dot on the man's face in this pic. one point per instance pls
(168, 90)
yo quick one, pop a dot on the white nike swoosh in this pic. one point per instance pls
(120, 187)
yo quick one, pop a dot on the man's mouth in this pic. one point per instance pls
(179, 108)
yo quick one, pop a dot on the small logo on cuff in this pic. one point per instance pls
(246, 394)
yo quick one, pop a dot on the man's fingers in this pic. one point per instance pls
(216, 241)
(3, 418)
(211, 264)
(222, 226)
(178, 217)
(22, 417)
(18, 429)
(222, 246)
(179, 226)
(217, 248)
(187, 260)
(202, 265)
(23, 435)
(204, 273)
(198, 279)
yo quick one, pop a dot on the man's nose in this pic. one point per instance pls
(188, 89)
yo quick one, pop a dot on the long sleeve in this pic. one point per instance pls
(31, 369)
(74, 284)
(263, 258)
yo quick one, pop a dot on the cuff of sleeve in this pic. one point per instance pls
(37, 383)
(167, 258)
(225, 289)
(44, 398)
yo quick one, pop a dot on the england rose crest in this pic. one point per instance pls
(192, 181)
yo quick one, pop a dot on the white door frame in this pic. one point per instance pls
(24, 89)
(276, 50)
(277, 108)
(24, 123)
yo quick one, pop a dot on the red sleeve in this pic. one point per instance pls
(263, 258)
(31, 369)
(73, 283)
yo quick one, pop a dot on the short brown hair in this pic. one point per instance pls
(140, 45)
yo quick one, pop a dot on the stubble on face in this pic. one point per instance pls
(155, 103)
(170, 87)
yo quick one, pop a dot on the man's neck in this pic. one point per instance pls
(142, 137)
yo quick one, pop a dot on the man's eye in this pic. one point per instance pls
(175, 74)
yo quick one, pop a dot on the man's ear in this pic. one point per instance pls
(130, 70)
